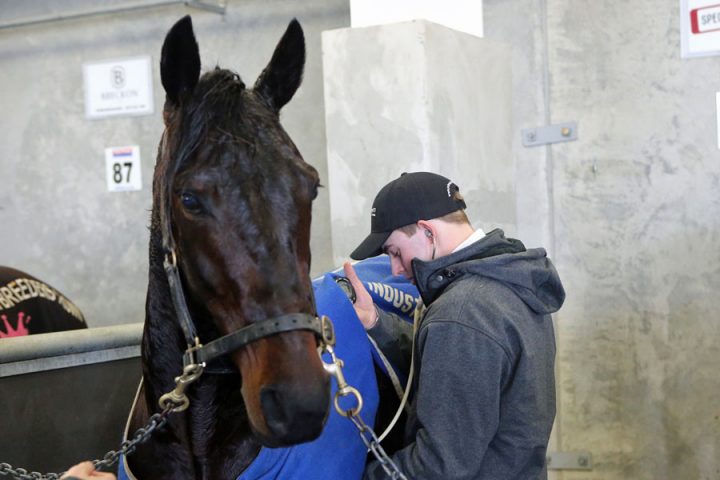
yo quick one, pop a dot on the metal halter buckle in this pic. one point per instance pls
(170, 258)
(327, 331)
(189, 358)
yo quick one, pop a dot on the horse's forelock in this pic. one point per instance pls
(222, 110)
(220, 106)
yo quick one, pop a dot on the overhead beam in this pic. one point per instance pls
(218, 8)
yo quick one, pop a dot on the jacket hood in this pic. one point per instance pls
(528, 273)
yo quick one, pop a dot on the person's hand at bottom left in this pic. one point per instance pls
(86, 470)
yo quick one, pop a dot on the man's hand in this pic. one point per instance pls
(364, 306)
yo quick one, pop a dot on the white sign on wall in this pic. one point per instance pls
(122, 168)
(461, 15)
(699, 28)
(118, 87)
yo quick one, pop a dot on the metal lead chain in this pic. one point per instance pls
(7, 469)
(156, 422)
(367, 434)
(373, 445)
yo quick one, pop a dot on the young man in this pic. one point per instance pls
(483, 388)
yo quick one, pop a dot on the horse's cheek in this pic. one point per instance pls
(251, 373)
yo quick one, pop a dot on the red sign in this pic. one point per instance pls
(705, 19)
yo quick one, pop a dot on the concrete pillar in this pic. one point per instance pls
(416, 96)
(461, 15)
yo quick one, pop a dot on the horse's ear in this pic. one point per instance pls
(180, 60)
(281, 78)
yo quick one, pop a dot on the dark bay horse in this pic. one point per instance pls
(229, 250)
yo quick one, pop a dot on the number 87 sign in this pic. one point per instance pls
(122, 168)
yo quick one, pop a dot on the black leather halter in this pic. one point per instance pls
(199, 354)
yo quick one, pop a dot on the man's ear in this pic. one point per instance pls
(427, 228)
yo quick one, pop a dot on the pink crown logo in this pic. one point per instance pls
(21, 329)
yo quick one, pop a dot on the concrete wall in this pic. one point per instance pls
(630, 212)
(415, 96)
(632, 219)
(631, 216)
(57, 219)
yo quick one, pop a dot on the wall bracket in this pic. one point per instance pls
(561, 132)
(569, 461)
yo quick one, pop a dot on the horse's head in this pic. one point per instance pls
(236, 198)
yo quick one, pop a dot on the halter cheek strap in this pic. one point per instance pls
(178, 297)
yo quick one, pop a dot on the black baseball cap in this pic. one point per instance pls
(407, 199)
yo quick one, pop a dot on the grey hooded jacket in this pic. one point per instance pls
(483, 400)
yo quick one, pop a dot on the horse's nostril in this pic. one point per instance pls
(272, 406)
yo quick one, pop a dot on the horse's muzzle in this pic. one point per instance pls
(294, 413)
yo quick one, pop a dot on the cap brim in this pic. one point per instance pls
(371, 246)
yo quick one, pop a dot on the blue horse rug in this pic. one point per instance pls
(338, 452)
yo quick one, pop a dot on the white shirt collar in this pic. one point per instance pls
(474, 237)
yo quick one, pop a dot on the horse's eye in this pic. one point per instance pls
(314, 192)
(190, 202)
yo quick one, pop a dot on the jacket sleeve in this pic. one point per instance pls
(458, 403)
(393, 336)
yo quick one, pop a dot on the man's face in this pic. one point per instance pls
(402, 249)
